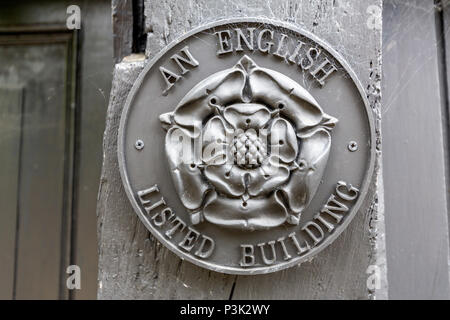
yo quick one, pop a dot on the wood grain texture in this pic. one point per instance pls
(134, 265)
(444, 69)
(445, 78)
(122, 18)
(10, 123)
(413, 154)
(445, 72)
(129, 256)
(446, 47)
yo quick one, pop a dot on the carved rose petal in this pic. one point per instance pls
(312, 160)
(247, 115)
(255, 214)
(266, 178)
(279, 91)
(221, 88)
(226, 178)
(283, 140)
(215, 141)
(187, 177)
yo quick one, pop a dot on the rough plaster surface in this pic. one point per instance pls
(133, 265)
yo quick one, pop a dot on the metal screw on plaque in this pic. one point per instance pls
(352, 146)
(242, 162)
(139, 144)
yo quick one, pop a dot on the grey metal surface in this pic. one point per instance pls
(241, 90)
(413, 154)
(134, 265)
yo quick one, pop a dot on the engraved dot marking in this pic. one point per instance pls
(139, 144)
(352, 146)
(302, 164)
(280, 105)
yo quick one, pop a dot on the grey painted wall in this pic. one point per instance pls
(415, 121)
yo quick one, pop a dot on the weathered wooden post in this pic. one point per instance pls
(306, 72)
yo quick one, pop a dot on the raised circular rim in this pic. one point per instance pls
(213, 266)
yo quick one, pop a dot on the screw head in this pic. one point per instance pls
(139, 144)
(352, 146)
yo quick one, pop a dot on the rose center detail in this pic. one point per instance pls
(248, 149)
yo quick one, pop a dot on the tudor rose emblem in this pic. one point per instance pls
(264, 143)
(246, 146)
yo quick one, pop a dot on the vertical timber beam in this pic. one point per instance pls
(133, 265)
(122, 18)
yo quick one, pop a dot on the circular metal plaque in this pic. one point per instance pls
(246, 146)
